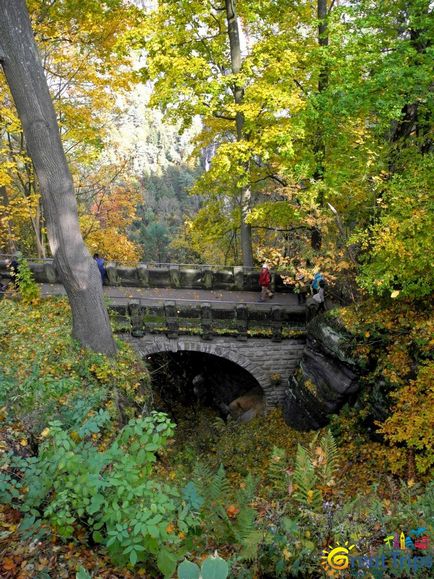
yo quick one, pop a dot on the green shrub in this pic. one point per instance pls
(29, 289)
(111, 494)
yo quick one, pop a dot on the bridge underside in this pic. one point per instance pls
(269, 363)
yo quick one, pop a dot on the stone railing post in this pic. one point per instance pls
(50, 272)
(208, 278)
(143, 275)
(136, 314)
(112, 274)
(206, 321)
(175, 278)
(276, 323)
(238, 278)
(172, 322)
(241, 321)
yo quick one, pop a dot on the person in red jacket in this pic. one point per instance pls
(265, 282)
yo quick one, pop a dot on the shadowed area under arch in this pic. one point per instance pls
(196, 379)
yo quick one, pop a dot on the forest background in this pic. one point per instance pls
(289, 131)
(306, 136)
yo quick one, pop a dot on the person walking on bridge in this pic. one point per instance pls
(102, 270)
(265, 283)
(315, 285)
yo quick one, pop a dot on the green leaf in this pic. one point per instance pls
(82, 573)
(96, 503)
(133, 557)
(188, 570)
(214, 568)
(97, 537)
(166, 562)
(190, 494)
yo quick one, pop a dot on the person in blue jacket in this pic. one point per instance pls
(100, 263)
(315, 285)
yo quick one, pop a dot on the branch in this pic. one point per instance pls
(300, 87)
(299, 227)
(332, 3)
(342, 232)
(226, 118)
(219, 115)
(273, 177)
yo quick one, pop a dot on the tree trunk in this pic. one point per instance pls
(77, 270)
(323, 40)
(235, 50)
(319, 148)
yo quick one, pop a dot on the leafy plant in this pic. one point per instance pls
(228, 516)
(110, 494)
(213, 567)
(314, 470)
(26, 282)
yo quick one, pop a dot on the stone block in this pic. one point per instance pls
(159, 277)
(238, 278)
(50, 273)
(175, 278)
(112, 274)
(208, 279)
(143, 275)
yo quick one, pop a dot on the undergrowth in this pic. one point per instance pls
(92, 478)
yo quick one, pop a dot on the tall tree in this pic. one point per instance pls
(87, 62)
(233, 28)
(78, 272)
(202, 43)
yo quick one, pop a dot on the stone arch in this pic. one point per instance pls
(146, 348)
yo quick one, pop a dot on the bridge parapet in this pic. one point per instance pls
(167, 275)
(240, 321)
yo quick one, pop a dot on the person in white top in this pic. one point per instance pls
(319, 297)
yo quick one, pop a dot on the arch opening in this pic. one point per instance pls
(193, 382)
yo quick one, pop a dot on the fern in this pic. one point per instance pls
(201, 477)
(315, 469)
(276, 471)
(250, 545)
(219, 487)
(329, 466)
(247, 494)
(305, 480)
(245, 531)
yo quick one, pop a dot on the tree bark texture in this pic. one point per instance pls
(236, 61)
(77, 270)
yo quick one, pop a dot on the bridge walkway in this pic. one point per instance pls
(155, 296)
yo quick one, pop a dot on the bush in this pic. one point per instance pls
(110, 496)
(29, 289)
(45, 375)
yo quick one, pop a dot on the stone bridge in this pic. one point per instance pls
(165, 275)
(270, 363)
(205, 309)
